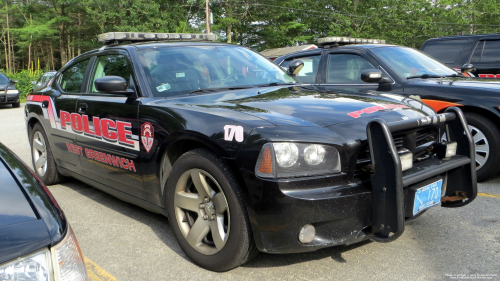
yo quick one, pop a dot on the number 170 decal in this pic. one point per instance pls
(233, 132)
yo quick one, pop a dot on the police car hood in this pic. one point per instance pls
(490, 84)
(305, 106)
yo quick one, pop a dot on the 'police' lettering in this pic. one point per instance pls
(123, 132)
(76, 122)
(118, 132)
(65, 118)
(108, 126)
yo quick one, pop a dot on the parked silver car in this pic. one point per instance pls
(43, 80)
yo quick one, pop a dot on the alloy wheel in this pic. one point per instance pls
(201, 211)
(39, 153)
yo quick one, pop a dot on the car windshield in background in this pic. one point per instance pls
(176, 71)
(4, 79)
(408, 62)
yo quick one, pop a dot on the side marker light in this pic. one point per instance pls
(266, 165)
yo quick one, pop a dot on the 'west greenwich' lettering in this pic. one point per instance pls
(102, 157)
(104, 128)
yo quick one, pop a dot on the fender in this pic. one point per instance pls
(30, 119)
(183, 136)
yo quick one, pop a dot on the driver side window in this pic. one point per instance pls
(112, 65)
(346, 68)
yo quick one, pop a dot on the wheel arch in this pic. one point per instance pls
(487, 112)
(32, 119)
(179, 144)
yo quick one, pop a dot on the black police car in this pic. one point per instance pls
(240, 156)
(9, 94)
(340, 61)
(36, 240)
(481, 50)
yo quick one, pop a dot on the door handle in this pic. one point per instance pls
(45, 104)
(82, 108)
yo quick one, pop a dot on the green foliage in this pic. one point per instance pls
(24, 78)
(54, 31)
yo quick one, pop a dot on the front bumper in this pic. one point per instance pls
(4, 98)
(376, 209)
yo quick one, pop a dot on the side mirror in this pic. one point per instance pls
(13, 81)
(33, 82)
(112, 85)
(372, 76)
(295, 67)
(468, 67)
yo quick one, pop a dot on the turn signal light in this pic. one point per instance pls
(266, 165)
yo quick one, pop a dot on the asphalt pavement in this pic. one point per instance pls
(130, 243)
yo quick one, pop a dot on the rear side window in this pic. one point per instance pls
(487, 51)
(72, 78)
(308, 73)
(445, 51)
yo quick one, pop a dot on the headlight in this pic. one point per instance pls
(314, 154)
(286, 154)
(34, 267)
(63, 262)
(12, 92)
(287, 159)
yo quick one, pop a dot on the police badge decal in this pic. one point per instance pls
(147, 136)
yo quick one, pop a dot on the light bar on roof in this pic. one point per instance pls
(145, 36)
(349, 40)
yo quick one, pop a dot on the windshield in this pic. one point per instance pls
(173, 71)
(4, 79)
(407, 62)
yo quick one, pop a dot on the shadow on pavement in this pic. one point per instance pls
(276, 260)
(158, 223)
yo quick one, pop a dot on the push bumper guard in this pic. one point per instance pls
(388, 206)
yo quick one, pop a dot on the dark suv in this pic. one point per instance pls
(483, 51)
(8, 91)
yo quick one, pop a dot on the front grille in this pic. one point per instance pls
(416, 141)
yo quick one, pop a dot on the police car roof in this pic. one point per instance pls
(495, 35)
(361, 46)
(160, 44)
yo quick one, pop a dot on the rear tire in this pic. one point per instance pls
(486, 138)
(203, 199)
(42, 158)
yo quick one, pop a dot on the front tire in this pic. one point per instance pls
(207, 212)
(42, 158)
(16, 104)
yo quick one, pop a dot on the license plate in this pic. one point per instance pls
(427, 196)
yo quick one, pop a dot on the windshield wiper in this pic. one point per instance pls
(201, 91)
(425, 76)
(276, 84)
(455, 75)
(208, 90)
